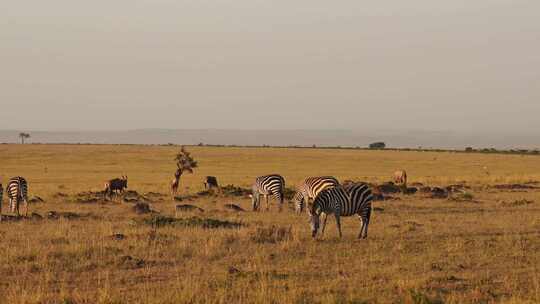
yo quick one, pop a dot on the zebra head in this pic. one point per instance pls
(314, 220)
(298, 201)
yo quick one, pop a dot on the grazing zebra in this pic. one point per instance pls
(268, 185)
(400, 178)
(310, 188)
(342, 201)
(17, 192)
(116, 185)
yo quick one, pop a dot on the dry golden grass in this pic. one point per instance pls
(419, 250)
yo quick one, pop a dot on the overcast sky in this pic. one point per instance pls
(457, 65)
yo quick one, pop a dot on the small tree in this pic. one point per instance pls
(184, 163)
(23, 136)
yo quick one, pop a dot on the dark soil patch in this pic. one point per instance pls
(142, 208)
(515, 187)
(234, 207)
(232, 190)
(36, 199)
(195, 221)
(186, 207)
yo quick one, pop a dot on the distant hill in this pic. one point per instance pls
(394, 139)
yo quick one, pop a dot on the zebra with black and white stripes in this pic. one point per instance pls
(17, 192)
(310, 188)
(268, 185)
(342, 201)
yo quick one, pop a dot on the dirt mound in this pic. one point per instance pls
(54, 215)
(234, 207)
(410, 191)
(14, 218)
(89, 197)
(36, 199)
(437, 192)
(232, 190)
(141, 208)
(186, 207)
(388, 188)
(515, 187)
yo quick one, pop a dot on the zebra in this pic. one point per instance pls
(342, 201)
(310, 188)
(17, 192)
(268, 185)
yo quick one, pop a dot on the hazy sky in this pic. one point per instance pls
(249, 64)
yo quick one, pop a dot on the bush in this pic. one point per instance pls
(377, 145)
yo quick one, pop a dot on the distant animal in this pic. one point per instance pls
(1, 199)
(342, 201)
(400, 178)
(210, 183)
(310, 188)
(268, 185)
(116, 185)
(17, 192)
(175, 182)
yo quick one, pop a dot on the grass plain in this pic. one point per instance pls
(420, 250)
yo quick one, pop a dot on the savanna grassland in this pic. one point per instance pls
(482, 247)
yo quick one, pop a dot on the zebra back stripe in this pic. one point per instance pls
(311, 187)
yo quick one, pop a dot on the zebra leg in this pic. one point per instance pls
(25, 208)
(365, 224)
(17, 208)
(281, 202)
(324, 224)
(338, 223)
(267, 203)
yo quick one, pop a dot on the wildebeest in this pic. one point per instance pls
(116, 185)
(210, 183)
(400, 178)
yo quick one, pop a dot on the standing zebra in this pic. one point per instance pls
(310, 188)
(268, 185)
(342, 201)
(17, 192)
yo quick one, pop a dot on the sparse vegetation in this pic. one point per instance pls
(84, 249)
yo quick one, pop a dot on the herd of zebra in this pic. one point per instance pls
(322, 195)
